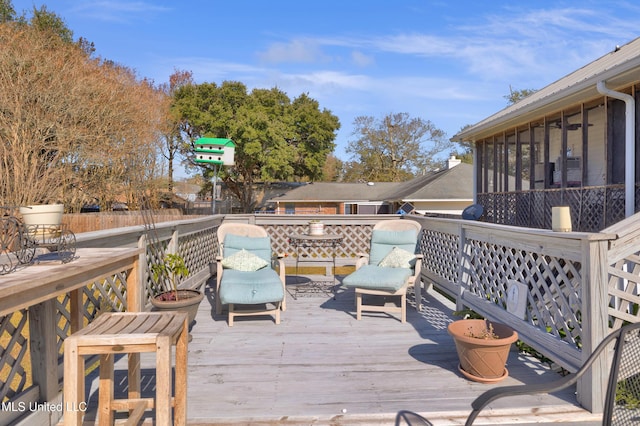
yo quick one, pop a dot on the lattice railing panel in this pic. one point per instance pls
(440, 251)
(592, 208)
(110, 294)
(15, 364)
(198, 249)
(590, 212)
(154, 257)
(554, 300)
(355, 240)
(624, 290)
(615, 205)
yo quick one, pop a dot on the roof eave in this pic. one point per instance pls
(583, 91)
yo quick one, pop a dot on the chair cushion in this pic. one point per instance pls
(398, 258)
(244, 261)
(382, 242)
(378, 277)
(248, 288)
(260, 246)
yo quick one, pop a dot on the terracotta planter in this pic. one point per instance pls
(188, 301)
(482, 360)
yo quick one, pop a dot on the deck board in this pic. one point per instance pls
(320, 361)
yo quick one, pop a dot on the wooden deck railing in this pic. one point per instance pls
(581, 285)
(593, 208)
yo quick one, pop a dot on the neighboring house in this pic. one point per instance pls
(571, 143)
(444, 192)
(441, 193)
(335, 198)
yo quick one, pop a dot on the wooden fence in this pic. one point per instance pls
(87, 222)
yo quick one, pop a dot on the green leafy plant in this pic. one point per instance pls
(628, 393)
(171, 267)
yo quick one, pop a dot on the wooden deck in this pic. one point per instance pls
(322, 367)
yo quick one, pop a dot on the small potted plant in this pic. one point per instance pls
(483, 348)
(316, 227)
(170, 270)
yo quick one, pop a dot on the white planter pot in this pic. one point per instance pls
(316, 228)
(42, 214)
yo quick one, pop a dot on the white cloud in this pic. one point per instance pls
(360, 59)
(117, 11)
(297, 51)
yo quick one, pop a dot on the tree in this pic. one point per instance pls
(72, 129)
(276, 138)
(517, 95)
(173, 141)
(7, 12)
(393, 149)
(44, 20)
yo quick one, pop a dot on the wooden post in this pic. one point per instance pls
(44, 348)
(591, 388)
(76, 309)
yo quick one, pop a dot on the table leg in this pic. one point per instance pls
(163, 381)
(105, 390)
(74, 389)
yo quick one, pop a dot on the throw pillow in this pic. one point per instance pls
(397, 258)
(244, 260)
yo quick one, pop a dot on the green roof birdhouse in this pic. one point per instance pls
(217, 151)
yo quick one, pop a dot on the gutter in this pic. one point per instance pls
(629, 150)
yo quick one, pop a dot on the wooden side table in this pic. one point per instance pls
(129, 333)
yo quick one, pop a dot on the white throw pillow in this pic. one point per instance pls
(244, 260)
(397, 258)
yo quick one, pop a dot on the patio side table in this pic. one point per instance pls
(129, 333)
(303, 243)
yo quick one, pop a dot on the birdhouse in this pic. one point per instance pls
(215, 151)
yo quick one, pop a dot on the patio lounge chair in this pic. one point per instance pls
(389, 268)
(622, 398)
(246, 274)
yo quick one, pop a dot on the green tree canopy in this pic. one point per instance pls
(276, 138)
(517, 95)
(394, 148)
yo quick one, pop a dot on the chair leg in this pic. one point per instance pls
(277, 315)
(230, 316)
(105, 393)
(218, 305)
(403, 307)
(417, 289)
(358, 306)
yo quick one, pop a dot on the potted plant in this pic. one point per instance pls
(170, 269)
(483, 348)
(316, 227)
(42, 221)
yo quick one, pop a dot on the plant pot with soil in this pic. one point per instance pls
(483, 348)
(186, 300)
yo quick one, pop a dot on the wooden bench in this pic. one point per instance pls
(129, 333)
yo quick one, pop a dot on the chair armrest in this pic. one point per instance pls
(418, 267)
(492, 394)
(363, 259)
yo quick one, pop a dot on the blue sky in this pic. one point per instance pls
(450, 62)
